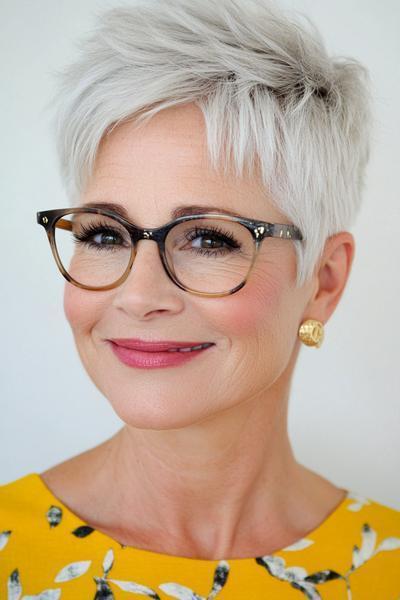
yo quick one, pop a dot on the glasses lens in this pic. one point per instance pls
(209, 255)
(94, 249)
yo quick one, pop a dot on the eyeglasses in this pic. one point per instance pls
(205, 254)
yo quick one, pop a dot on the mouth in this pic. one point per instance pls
(160, 346)
(142, 354)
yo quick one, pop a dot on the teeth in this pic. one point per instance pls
(199, 347)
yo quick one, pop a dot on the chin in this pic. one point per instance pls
(153, 419)
(150, 410)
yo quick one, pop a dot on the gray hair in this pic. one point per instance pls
(267, 89)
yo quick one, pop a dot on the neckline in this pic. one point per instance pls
(315, 532)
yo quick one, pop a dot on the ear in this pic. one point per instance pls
(331, 275)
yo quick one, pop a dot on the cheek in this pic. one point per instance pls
(82, 308)
(260, 322)
(255, 307)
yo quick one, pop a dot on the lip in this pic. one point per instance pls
(157, 346)
(155, 358)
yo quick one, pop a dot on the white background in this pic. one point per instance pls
(345, 404)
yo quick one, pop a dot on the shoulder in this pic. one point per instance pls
(38, 541)
(21, 506)
(374, 532)
(365, 519)
(20, 510)
(367, 508)
(356, 549)
(18, 496)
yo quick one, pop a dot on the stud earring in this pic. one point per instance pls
(311, 333)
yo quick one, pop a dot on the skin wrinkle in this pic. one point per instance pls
(203, 465)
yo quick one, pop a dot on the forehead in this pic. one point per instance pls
(163, 165)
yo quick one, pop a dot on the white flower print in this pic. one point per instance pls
(54, 515)
(298, 578)
(360, 501)
(108, 562)
(179, 591)
(14, 589)
(368, 550)
(135, 588)
(299, 545)
(182, 592)
(46, 595)
(72, 571)
(103, 589)
(4, 537)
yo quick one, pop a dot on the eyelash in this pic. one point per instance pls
(227, 238)
(89, 231)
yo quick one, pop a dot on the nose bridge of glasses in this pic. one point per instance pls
(155, 234)
(145, 272)
(148, 235)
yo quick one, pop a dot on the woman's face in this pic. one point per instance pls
(150, 172)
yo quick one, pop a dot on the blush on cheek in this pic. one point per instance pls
(248, 310)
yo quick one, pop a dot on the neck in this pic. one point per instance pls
(203, 485)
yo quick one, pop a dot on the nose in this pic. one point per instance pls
(148, 290)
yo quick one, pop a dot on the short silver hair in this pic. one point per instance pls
(270, 95)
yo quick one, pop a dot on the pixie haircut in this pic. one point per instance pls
(270, 95)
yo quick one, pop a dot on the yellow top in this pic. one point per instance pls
(47, 552)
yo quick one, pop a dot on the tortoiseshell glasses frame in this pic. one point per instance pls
(50, 219)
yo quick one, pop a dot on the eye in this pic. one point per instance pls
(106, 238)
(100, 237)
(206, 239)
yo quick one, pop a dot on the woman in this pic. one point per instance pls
(225, 134)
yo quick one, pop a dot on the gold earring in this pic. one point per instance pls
(311, 333)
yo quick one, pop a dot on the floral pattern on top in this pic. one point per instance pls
(300, 577)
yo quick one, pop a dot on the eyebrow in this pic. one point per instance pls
(179, 211)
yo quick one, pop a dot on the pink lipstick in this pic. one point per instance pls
(151, 355)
